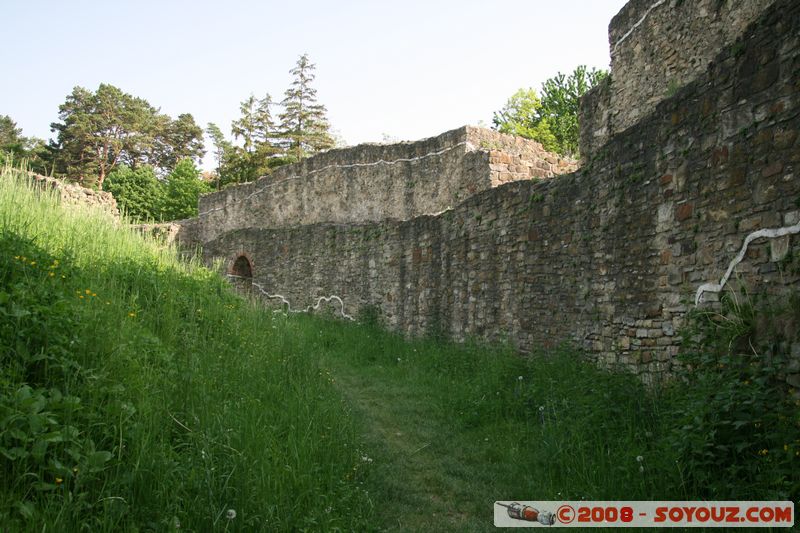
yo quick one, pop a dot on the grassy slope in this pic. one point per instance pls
(193, 402)
(138, 391)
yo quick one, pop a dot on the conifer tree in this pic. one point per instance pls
(304, 125)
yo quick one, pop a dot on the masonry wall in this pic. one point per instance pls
(656, 47)
(74, 194)
(610, 256)
(372, 182)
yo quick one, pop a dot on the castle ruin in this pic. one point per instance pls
(688, 183)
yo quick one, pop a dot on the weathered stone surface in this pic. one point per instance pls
(657, 48)
(74, 194)
(597, 256)
(372, 182)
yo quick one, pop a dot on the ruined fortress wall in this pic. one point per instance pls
(373, 182)
(610, 257)
(656, 47)
(76, 195)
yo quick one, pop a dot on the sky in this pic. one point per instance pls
(401, 70)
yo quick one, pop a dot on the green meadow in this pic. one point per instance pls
(140, 392)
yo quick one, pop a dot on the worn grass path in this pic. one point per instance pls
(423, 476)
(448, 430)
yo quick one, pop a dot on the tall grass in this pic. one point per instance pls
(139, 392)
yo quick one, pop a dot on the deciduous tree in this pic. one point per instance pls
(552, 119)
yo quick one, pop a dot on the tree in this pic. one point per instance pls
(184, 188)
(138, 192)
(256, 128)
(11, 140)
(180, 139)
(304, 125)
(101, 130)
(522, 115)
(553, 119)
(245, 127)
(560, 104)
(222, 149)
(16, 148)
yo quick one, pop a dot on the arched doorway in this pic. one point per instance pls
(241, 272)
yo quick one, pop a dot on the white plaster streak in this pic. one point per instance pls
(326, 299)
(768, 233)
(469, 146)
(638, 23)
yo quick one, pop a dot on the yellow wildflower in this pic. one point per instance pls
(763, 452)
(59, 481)
(88, 291)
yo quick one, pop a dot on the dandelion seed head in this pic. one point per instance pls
(519, 378)
(639, 458)
(231, 514)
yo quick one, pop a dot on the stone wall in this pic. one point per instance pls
(610, 257)
(74, 194)
(658, 46)
(372, 182)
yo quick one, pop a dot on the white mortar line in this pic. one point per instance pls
(470, 148)
(638, 23)
(326, 299)
(768, 233)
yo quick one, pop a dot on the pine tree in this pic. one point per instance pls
(304, 125)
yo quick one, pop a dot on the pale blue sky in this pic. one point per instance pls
(408, 69)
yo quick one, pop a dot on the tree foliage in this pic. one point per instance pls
(183, 190)
(103, 129)
(145, 198)
(304, 124)
(553, 118)
(15, 147)
(522, 115)
(138, 192)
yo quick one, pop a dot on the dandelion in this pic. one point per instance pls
(52, 274)
(88, 291)
(541, 408)
(131, 314)
(366, 459)
(641, 469)
(763, 452)
(231, 514)
(786, 447)
(639, 458)
(33, 263)
(81, 296)
(398, 359)
(59, 481)
(519, 378)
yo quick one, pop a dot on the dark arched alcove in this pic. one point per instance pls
(241, 273)
(242, 268)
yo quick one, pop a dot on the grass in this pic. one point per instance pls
(139, 393)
